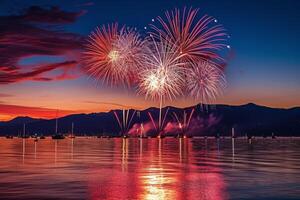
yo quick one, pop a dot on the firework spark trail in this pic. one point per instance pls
(152, 120)
(164, 118)
(184, 123)
(205, 81)
(118, 119)
(198, 39)
(176, 117)
(190, 117)
(126, 120)
(130, 120)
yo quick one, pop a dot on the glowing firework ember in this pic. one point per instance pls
(113, 56)
(205, 81)
(197, 39)
(161, 82)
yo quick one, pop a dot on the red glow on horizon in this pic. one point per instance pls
(11, 111)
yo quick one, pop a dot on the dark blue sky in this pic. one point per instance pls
(264, 65)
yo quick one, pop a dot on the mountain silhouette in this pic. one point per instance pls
(250, 119)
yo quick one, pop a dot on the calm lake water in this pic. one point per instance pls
(92, 168)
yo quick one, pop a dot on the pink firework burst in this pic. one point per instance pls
(205, 81)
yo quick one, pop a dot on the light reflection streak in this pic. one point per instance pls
(184, 150)
(232, 145)
(23, 150)
(155, 181)
(124, 154)
(158, 172)
(35, 148)
(72, 148)
(55, 152)
(96, 171)
(218, 146)
(141, 148)
(180, 149)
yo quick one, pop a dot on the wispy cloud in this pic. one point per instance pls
(2, 95)
(113, 104)
(37, 112)
(35, 32)
(36, 73)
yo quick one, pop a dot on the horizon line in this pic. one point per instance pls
(236, 105)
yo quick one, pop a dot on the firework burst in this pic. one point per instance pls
(205, 81)
(131, 47)
(161, 76)
(113, 56)
(182, 54)
(197, 39)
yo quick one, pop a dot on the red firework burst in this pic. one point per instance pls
(113, 56)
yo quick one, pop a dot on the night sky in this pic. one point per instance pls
(41, 41)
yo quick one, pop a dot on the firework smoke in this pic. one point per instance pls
(142, 129)
(198, 125)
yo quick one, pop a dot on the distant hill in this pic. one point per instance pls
(207, 120)
(20, 120)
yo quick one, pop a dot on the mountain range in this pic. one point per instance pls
(248, 119)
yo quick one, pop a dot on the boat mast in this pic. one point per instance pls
(72, 129)
(24, 130)
(56, 122)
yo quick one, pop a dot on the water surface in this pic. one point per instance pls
(92, 168)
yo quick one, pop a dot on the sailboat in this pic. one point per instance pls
(9, 136)
(233, 133)
(57, 136)
(42, 137)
